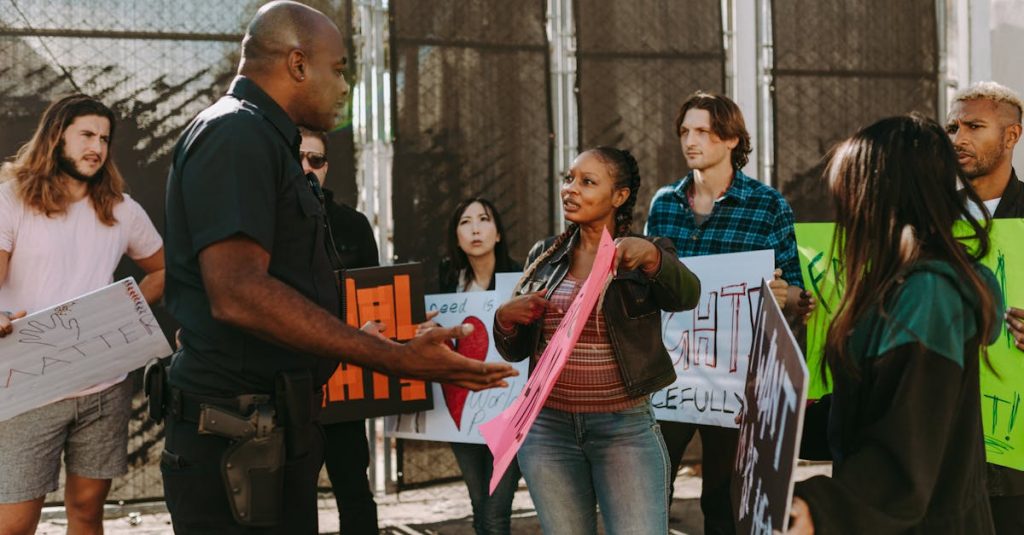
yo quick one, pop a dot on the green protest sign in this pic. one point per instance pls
(819, 269)
(1002, 389)
(1002, 386)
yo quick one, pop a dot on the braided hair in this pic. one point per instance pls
(626, 173)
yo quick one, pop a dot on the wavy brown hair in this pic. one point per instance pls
(726, 122)
(894, 185)
(35, 168)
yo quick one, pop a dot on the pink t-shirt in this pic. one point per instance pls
(55, 259)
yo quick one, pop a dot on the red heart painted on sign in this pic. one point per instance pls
(475, 347)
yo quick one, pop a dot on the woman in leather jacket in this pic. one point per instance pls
(596, 440)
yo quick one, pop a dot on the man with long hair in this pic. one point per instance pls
(65, 223)
(252, 283)
(718, 209)
(984, 125)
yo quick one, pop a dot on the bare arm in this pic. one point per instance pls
(152, 284)
(242, 293)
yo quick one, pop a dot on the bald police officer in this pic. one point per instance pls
(250, 280)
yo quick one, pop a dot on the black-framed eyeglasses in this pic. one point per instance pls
(316, 159)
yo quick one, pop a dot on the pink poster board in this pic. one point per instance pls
(506, 432)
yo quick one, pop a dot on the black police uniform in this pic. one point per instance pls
(236, 172)
(347, 454)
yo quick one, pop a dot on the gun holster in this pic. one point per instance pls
(154, 383)
(252, 467)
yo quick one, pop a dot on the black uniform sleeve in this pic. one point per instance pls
(886, 484)
(230, 183)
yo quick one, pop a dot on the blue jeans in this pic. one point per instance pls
(492, 514)
(574, 462)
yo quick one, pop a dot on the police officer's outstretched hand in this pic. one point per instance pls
(435, 361)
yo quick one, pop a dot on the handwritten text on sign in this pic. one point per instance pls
(391, 295)
(60, 351)
(459, 418)
(776, 392)
(710, 345)
(506, 432)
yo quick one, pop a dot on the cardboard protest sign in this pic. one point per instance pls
(392, 295)
(822, 279)
(506, 432)
(1001, 392)
(59, 351)
(458, 419)
(776, 392)
(710, 344)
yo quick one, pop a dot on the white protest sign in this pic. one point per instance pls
(710, 345)
(457, 412)
(65, 349)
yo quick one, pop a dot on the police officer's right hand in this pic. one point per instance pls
(5, 321)
(432, 360)
(522, 310)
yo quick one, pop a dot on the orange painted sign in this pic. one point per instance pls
(392, 295)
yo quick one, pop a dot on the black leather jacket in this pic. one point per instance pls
(632, 309)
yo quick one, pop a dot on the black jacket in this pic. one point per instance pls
(353, 235)
(632, 309)
(1011, 205)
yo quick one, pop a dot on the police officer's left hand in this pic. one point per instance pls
(432, 360)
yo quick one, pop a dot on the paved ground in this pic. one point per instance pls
(437, 510)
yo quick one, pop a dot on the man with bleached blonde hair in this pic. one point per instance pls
(984, 125)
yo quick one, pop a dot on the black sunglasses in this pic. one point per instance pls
(316, 160)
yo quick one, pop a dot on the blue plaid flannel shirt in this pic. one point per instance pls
(750, 216)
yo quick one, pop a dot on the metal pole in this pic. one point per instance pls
(561, 30)
(764, 109)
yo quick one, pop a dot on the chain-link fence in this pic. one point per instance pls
(471, 117)
(637, 63)
(156, 64)
(840, 66)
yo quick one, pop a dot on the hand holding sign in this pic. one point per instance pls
(6, 327)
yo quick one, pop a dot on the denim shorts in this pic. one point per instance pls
(91, 431)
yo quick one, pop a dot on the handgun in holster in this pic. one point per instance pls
(252, 467)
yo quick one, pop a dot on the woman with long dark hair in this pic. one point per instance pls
(596, 440)
(476, 251)
(904, 427)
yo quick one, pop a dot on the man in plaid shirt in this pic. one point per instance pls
(718, 209)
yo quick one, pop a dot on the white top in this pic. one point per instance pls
(56, 259)
(975, 210)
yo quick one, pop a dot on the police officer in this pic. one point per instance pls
(251, 282)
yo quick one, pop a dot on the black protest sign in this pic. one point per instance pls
(776, 391)
(392, 295)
